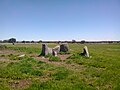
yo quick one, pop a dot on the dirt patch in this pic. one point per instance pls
(62, 63)
(43, 78)
(3, 59)
(8, 51)
(63, 57)
(19, 83)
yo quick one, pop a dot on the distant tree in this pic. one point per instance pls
(23, 41)
(5, 41)
(59, 42)
(66, 41)
(12, 40)
(0, 41)
(27, 41)
(110, 41)
(32, 41)
(73, 41)
(40, 41)
(83, 41)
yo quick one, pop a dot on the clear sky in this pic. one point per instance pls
(60, 19)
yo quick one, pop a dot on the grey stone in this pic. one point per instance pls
(57, 48)
(44, 50)
(21, 55)
(54, 53)
(64, 47)
(85, 51)
(50, 51)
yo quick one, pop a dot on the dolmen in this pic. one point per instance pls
(85, 51)
(54, 51)
(60, 48)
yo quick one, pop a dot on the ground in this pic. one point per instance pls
(73, 72)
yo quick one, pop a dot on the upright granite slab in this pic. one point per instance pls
(85, 51)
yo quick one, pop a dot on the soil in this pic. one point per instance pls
(19, 83)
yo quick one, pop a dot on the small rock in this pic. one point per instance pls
(21, 55)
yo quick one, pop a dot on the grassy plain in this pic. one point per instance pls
(99, 72)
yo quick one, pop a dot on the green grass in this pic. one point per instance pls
(29, 48)
(53, 58)
(99, 72)
(16, 57)
(29, 68)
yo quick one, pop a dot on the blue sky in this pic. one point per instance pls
(60, 19)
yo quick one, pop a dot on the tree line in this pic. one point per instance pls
(13, 41)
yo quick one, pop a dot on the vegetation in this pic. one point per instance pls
(99, 72)
(26, 49)
(53, 58)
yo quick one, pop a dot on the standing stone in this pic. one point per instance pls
(85, 51)
(54, 53)
(44, 50)
(50, 51)
(64, 48)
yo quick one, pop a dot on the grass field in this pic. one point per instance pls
(99, 72)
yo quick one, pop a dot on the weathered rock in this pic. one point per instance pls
(21, 55)
(50, 51)
(44, 50)
(57, 48)
(85, 51)
(64, 48)
(54, 53)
